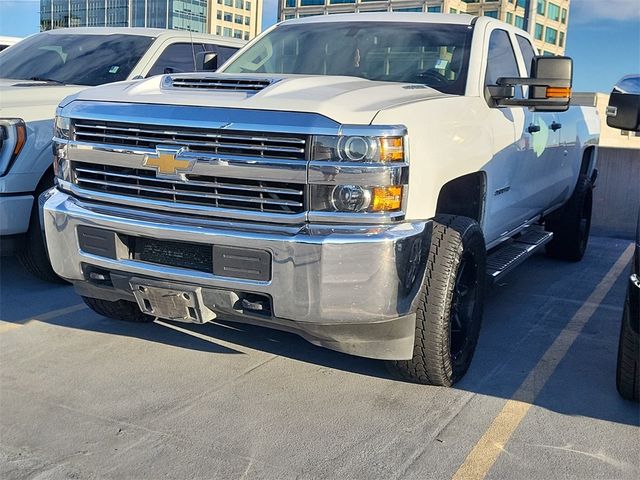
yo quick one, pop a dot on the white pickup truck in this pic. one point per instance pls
(38, 73)
(355, 179)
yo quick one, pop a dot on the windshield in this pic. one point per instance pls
(74, 59)
(432, 54)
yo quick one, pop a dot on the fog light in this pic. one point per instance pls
(350, 198)
(386, 199)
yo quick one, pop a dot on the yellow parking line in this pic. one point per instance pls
(5, 327)
(488, 449)
(42, 317)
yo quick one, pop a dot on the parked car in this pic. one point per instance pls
(6, 42)
(43, 69)
(623, 112)
(355, 179)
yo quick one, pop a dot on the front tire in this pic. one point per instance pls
(450, 305)
(119, 310)
(33, 256)
(571, 224)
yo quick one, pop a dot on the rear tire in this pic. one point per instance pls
(450, 305)
(627, 370)
(571, 224)
(118, 310)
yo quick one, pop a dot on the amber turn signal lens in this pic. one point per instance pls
(558, 92)
(392, 149)
(21, 138)
(386, 199)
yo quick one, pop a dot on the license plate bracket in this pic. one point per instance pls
(182, 303)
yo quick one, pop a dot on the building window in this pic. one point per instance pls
(247, 20)
(509, 18)
(238, 19)
(289, 16)
(308, 3)
(290, 3)
(546, 53)
(228, 17)
(542, 6)
(227, 32)
(228, 3)
(491, 13)
(246, 35)
(237, 34)
(239, 4)
(340, 1)
(522, 3)
(551, 35)
(453, 10)
(247, 6)
(539, 31)
(564, 15)
(437, 9)
(561, 39)
(519, 22)
(553, 12)
(410, 9)
(219, 14)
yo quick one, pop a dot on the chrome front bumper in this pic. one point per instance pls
(350, 288)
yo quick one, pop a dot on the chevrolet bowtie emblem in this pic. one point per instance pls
(166, 162)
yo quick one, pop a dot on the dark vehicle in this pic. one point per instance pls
(623, 112)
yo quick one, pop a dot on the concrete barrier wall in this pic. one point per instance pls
(616, 199)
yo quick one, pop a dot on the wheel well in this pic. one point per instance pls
(588, 157)
(45, 180)
(464, 196)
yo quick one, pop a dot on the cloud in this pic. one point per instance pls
(588, 11)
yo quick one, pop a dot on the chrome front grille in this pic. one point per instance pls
(200, 190)
(223, 142)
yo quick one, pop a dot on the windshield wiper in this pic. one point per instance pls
(48, 80)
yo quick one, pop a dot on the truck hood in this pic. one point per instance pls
(347, 100)
(32, 101)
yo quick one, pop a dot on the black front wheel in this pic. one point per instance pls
(450, 306)
(33, 255)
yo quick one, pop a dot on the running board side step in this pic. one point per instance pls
(512, 253)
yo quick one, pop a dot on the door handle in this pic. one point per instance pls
(533, 128)
(556, 126)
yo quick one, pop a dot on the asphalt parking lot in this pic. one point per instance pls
(86, 397)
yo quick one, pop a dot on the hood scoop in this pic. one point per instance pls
(215, 83)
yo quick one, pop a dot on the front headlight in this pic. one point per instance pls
(13, 136)
(62, 127)
(356, 148)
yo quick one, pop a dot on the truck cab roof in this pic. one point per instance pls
(148, 32)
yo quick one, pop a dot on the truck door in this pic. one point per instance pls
(540, 181)
(504, 210)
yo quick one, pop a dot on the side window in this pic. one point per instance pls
(176, 58)
(527, 52)
(501, 61)
(224, 53)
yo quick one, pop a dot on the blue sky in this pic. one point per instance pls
(603, 38)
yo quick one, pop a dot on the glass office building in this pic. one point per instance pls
(174, 14)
